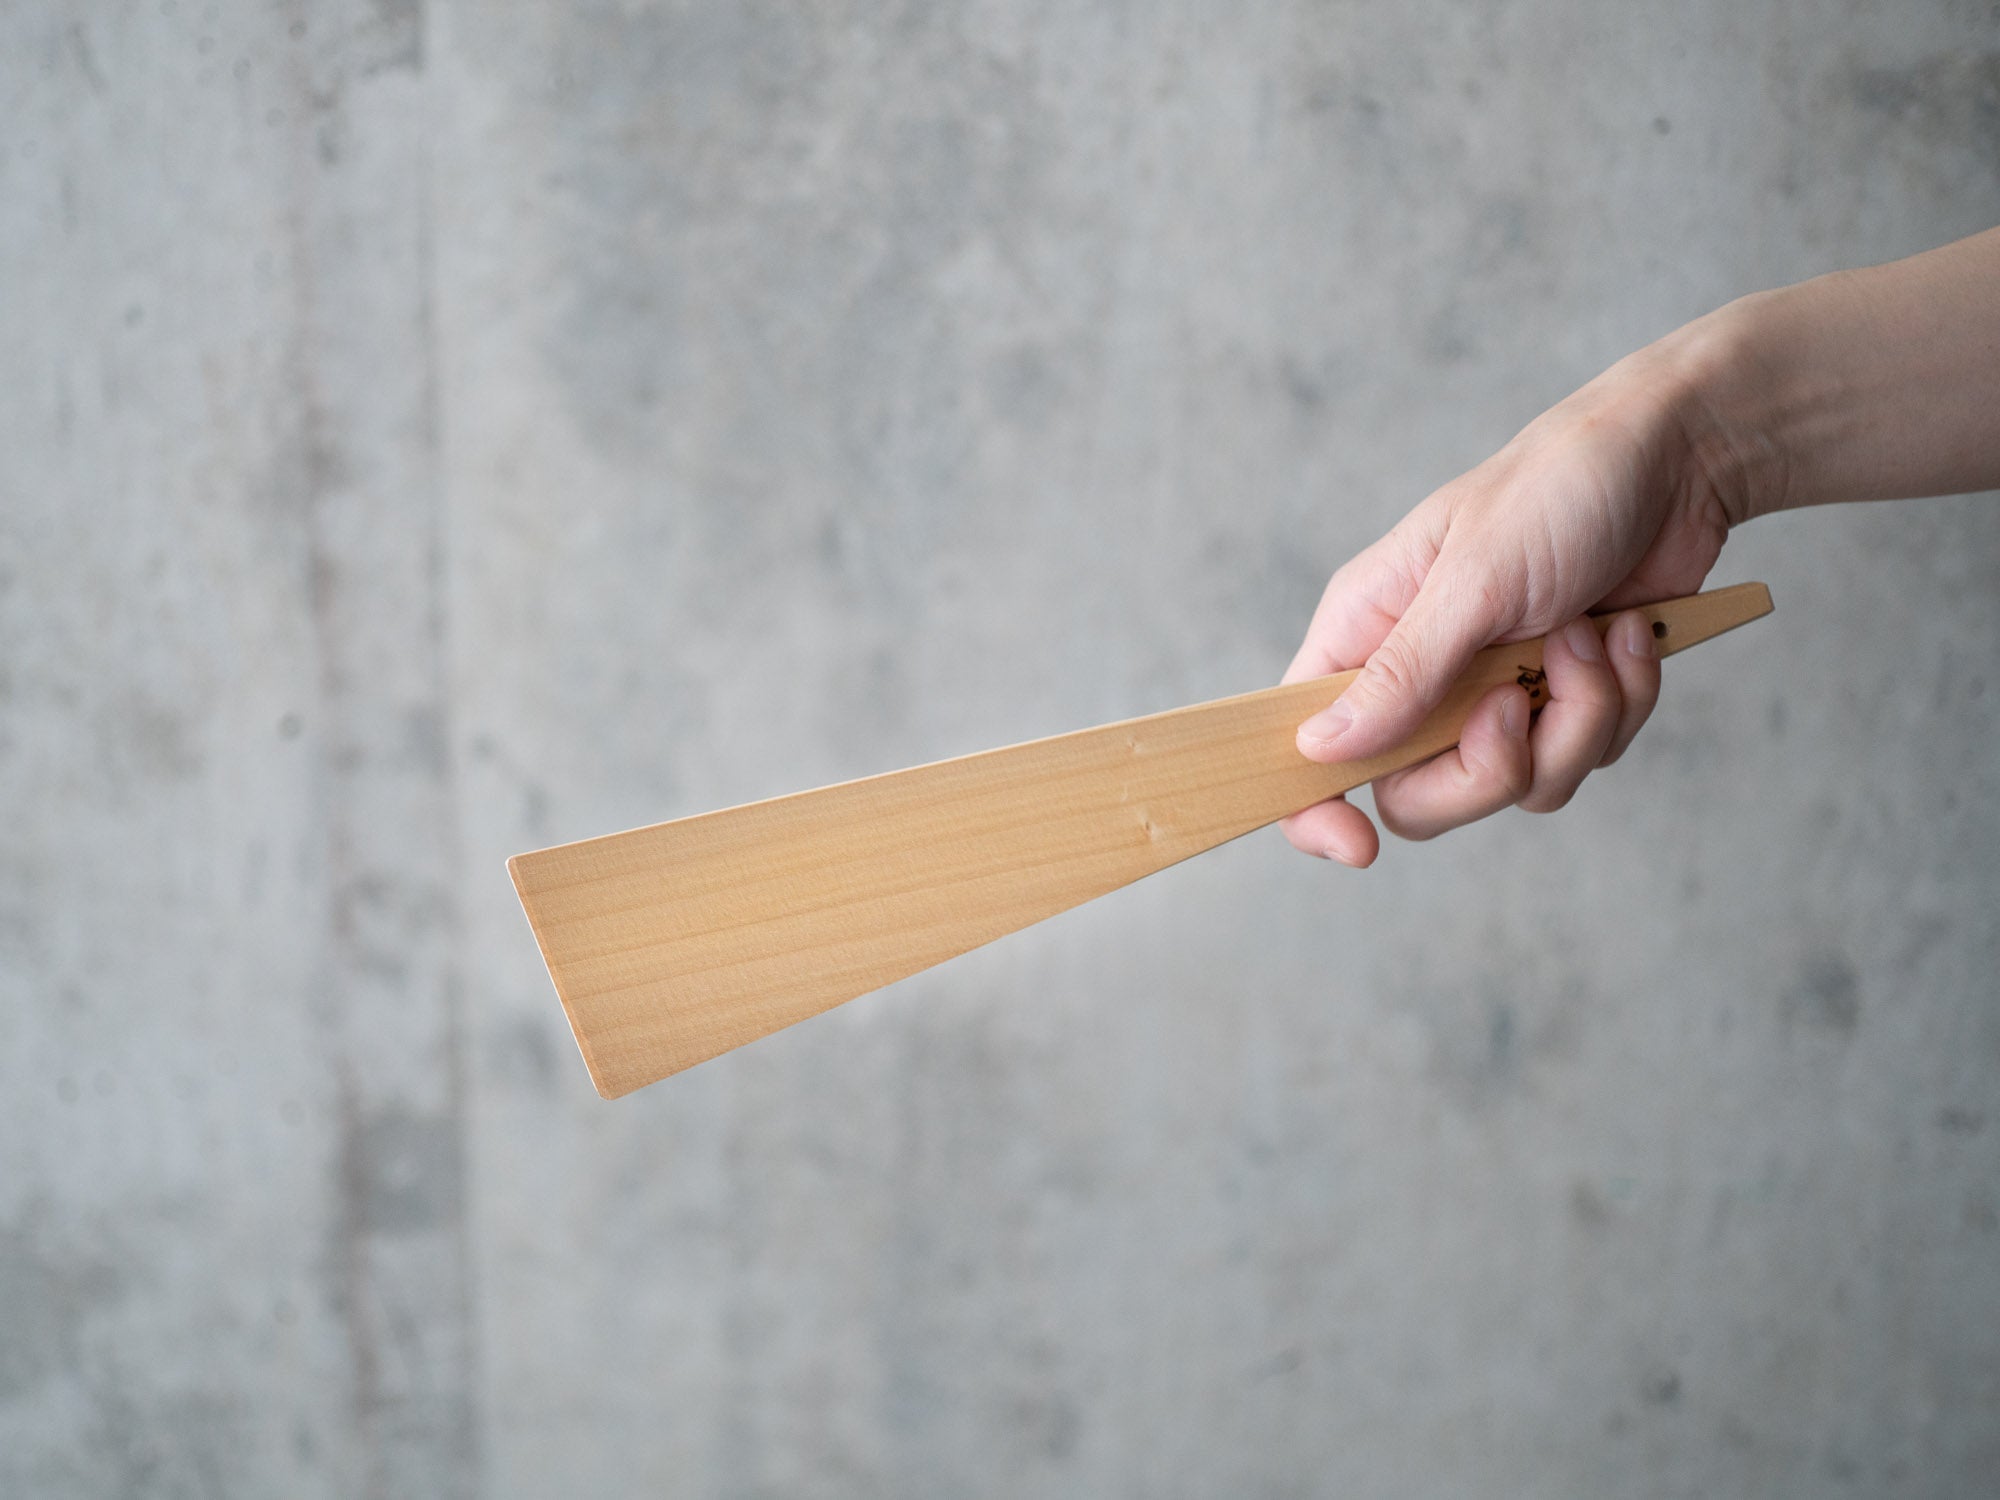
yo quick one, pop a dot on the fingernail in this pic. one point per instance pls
(1583, 641)
(1637, 638)
(1329, 724)
(1514, 715)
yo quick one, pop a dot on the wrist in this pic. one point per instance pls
(1725, 393)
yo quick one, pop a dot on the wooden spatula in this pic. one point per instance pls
(673, 943)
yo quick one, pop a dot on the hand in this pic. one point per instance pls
(1604, 500)
(1860, 385)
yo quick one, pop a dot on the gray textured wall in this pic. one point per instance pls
(434, 430)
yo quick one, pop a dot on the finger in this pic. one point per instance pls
(1575, 728)
(1362, 603)
(1490, 769)
(1451, 617)
(1335, 829)
(1635, 661)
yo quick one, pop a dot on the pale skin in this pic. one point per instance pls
(1862, 385)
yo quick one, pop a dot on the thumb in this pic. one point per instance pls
(1407, 674)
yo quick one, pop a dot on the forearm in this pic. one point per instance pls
(1862, 385)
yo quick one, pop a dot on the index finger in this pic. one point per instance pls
(1359, 607)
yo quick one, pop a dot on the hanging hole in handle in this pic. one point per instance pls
(1659, 630)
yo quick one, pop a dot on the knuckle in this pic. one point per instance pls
(1641, 693)
(1548, 799)
(1397, 668)
(1495, 776)
(1590, 682)
(1404, 829)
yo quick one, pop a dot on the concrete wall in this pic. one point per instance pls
(433, 430)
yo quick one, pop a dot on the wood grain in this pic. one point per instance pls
(674, 943)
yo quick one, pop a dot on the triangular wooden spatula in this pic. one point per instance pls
(673, 943)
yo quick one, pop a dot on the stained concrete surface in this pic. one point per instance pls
(436, 430)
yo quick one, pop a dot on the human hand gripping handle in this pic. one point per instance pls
(1598, 503)
(1856, 386)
